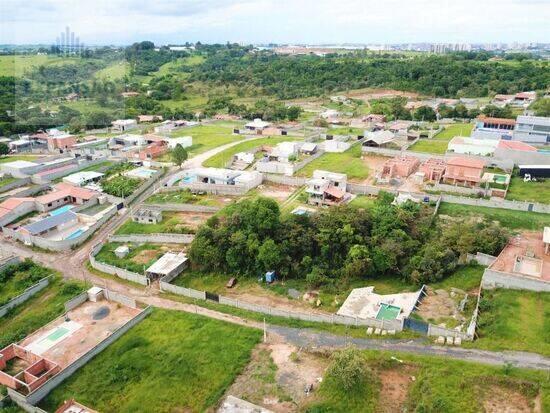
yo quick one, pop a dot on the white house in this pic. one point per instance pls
(257, 125)
(284, 150)
(185, 141)
(336, 146)
(83, 178)
(123, 125)
(327, 188)
(471, 146)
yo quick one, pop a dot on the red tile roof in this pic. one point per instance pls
(468, 162)
(516, 145)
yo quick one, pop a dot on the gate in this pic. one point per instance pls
(416, 325)
(212, 296)
(530, 207)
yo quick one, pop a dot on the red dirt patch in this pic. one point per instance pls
(503, 400)
(394, 388)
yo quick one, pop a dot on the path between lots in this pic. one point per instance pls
(72, 265)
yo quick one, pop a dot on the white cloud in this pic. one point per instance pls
(311, 21)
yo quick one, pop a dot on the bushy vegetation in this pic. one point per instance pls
(342, 243)
(16, 278)
(292, 77)
(121, 186)
(131, 375)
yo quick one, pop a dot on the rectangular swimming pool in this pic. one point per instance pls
(58, 211)
(76, 233)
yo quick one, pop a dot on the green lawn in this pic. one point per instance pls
(529, 191)
(514, 320)
(184, 197)
(140, 257)
(171, 223)
(11, 65)
(14, 279)
(98, 167)
(115, 71)
(170, 362)
(348, 162)
(7, 180)
(38, 311)
(514, 220)
(363, 201)
(440, 385)
(13, 158)
(206, 137)
(438, 144)
(221, 159)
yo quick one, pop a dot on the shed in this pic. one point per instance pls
(170, 264)
(122, 251)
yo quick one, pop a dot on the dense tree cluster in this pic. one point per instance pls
(263, 109)
(450, 75)
(337, 244)
(145, 59)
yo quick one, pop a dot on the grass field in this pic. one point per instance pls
(514, 320)
(7, 180)
(221, 159)
(115, 71)
(363, 201)
(440, 385)
(140, 257)
(514, 220)
(38, 311)
(18, 277)
(170, 362)
(206, 137)
(184, 197)
(13, 158)
(438, 144)
(529, 191)
(18, 65)
(170, 224)
(348, 162)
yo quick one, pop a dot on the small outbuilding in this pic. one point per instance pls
(122, 251)
(170, 264)
(147, 216)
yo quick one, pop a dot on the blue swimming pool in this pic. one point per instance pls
(189, 179)
(61, 210)
(75, 234)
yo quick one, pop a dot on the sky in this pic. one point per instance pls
(276, 21)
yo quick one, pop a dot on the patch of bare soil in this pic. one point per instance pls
(143, 257)
(192, 219)
(439, 304)
(394, 388)
(503, 400)
(374, 164)
(278, 192)
(257, 295)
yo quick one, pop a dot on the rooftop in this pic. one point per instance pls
(167, 263)
(50, 222)
(467, 162)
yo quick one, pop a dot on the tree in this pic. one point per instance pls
(4, 149)
(348, 370)
(425, 113)
(541, 107)
(179, 155)
(76, 125)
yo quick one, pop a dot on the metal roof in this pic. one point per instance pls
(50, 222)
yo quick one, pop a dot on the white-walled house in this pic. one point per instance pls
(472, 146)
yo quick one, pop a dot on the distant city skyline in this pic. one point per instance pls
(120, 22)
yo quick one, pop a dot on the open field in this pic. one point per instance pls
(140, 257)
(401, 382)
(206, 137)
(529, 191)
(348, 162)
(514, 220)
(115, 71)
(131, 375)
(186, 197)
(514, 320)
(11, 65)
(13, 158)
(221, 159)
(15, 279)
(7, 180)
(363, 201)
(438, 144)
(37, 311)
(172, 223)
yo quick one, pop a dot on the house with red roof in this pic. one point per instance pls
(464, 171)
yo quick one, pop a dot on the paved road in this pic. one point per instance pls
(307, 338)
